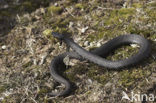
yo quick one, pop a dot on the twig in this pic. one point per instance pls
(43, 57)
(33, 100)
(69, 12)
(105, 8)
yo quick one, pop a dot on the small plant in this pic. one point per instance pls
(79, 6)
(55, 10)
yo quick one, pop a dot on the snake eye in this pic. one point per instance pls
(57, 35)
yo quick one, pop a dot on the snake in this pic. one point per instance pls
(96, 56)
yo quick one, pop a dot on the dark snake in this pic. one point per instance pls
(96, 56)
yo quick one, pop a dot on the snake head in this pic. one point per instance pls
(57, 35)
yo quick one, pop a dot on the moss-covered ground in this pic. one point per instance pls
(28, 48)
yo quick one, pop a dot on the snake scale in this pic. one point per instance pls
(96, 56)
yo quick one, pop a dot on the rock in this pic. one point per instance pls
(73, 62)
(134, 45)
(90, 81)
(4, 47)
(83, 30)
(42, 10)
(108, 85)
(43, 57)
(91, 44)
(98, 44)
(86, 43)
(71, 24)
(66, 60)
(56, 4)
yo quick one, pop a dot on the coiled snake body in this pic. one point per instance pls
(96, 56)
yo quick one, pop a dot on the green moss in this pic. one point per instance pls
(114, 20)
(43, 90)
(27, 6)
(151, 13)
(72, 72)
(101, 35)
(27, 3)
(11, 99)
(126, 11)
(79, 6)
(47, 33)
(4, 87)
(27, 64)
(94, 6)
(152, 4)
(153, 37)
(5, 13)
(61, 30)
(137, 5)
(55, 10)
(91, 38)
(122, 13)
(95, 74)
(118, 16)
(129, 78)
(122, 53)
(61, 25)
(4, 101)
(72, 1)
(98, 74)
(135, 29)
(61, 22)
